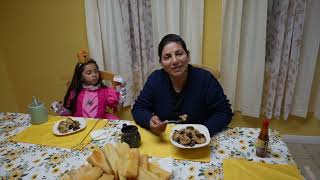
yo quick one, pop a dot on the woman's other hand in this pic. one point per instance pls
(156, 126)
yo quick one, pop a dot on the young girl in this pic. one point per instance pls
(87, 96)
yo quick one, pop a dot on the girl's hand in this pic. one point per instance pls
(119, 80)
(56, 106)
(156, 126)
(121, 88)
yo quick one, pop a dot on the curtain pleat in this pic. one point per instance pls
(307, 76)
(243, 52)
(231, 29)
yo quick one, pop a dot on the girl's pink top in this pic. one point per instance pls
(93, 103)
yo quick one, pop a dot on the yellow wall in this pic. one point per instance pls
(38, 42)
(212, 33)
(40, 37)
(8, 100)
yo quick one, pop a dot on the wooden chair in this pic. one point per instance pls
(108, 75)
(216, 73)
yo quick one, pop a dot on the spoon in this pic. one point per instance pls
(34, 101)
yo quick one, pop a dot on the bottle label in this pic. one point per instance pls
(261, 147)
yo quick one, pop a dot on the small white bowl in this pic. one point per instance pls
(201, 128)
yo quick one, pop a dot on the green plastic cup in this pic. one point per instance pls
(38, 113)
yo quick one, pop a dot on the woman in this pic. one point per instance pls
(179, 89)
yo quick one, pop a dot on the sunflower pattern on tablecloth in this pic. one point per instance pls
(29, 161)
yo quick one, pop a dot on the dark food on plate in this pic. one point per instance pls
(188, 136)
(68, 125)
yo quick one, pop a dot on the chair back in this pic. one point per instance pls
(108, 75)
(215, 73)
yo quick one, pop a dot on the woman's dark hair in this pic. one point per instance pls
(76, 85)
(168, 39)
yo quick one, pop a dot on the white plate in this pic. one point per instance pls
(82, 122)
(201, 128)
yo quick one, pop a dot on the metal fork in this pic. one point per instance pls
(182, 118)
(175, 121)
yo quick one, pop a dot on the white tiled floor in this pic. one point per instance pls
(307, 156)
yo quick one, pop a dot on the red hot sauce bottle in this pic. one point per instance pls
(263, 139)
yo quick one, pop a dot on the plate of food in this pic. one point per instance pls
(68, 126)
(190, 136)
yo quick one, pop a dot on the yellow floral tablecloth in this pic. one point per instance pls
(29, 161)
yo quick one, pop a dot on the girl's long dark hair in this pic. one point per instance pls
(76, 85)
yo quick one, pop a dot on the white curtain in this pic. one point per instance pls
(315, 95)
(284, 41)
(243, 53)
(308, 60)
(123, 35)
(182, 17)
(283, 66)
(120, 39)
(314, 104)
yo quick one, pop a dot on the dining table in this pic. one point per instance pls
(21, 160)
